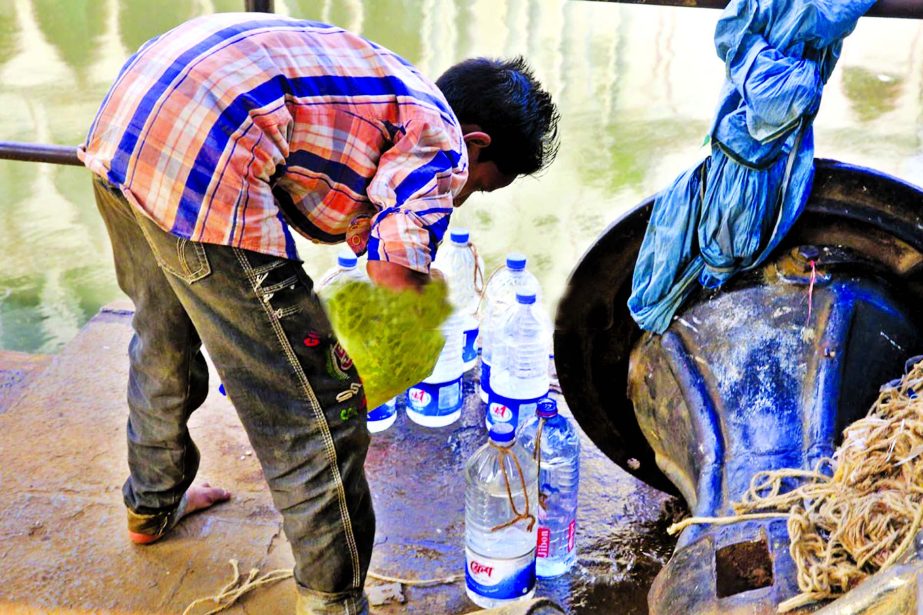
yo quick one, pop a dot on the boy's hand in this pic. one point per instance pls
(396, 277)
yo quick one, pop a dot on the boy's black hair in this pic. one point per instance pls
(506, 101)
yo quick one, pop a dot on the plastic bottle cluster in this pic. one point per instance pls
(521, 507)
(515, 344)
(514, 332)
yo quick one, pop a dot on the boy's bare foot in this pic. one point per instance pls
(198, 497)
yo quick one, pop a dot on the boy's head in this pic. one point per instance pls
(510, 123)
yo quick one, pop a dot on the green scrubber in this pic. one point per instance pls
(392, 337)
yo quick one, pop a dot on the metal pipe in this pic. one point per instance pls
(905, 9)
(260, 6)
(35, 152)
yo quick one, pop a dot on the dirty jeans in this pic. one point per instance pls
(296, 393)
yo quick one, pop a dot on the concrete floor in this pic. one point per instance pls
(63, 547)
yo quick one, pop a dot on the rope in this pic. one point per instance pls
(856, 513)
(479, 284)
(505, 453)
(811, 291)
(542, 498)
(228, 595)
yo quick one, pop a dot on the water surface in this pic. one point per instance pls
(636, 86)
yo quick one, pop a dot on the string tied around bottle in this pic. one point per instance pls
(505, 453)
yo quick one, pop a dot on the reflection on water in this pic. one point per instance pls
(636, 86)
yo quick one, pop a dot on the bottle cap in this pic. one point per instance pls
(501, 433)
(547, 408)
(516, 261)
(525, 298)
(347, 260)
(459, 236)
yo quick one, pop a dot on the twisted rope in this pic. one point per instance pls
(228, 595)
(505, 453)
(856, 513)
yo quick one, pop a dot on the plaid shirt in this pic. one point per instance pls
(232, 128)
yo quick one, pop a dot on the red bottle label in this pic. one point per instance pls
(543, 546)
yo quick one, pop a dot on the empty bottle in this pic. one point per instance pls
(382, 417)
(458, 261)
(500, 500)
(347, 269)
(499, 300)
(519, 376)
(553, 442)
(437, 400)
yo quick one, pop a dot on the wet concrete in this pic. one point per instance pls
(62, 528)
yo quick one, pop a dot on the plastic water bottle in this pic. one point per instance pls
(382, 417)
(347, 269)
(520, 374)
(558, 481)
(500, 552)
(459, 262)
(499, 300)
(437, 401)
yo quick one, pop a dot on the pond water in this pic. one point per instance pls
(636, 86)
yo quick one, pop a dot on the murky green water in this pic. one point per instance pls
(636, 86)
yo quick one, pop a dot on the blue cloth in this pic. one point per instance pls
(728, 213)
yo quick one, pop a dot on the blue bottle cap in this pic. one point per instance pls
(525, 298)
(547, 408)
(501, 433)
(516, 261)
(347, 260)
(459, 236)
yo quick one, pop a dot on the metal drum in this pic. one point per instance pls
(745, 379)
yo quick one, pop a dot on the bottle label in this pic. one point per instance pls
(500, 579)
(470, 351)
(436, 399)
(502, 409)
(543, 545)
(572, 535)
(382, 412)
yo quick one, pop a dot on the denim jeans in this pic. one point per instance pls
(296, 392)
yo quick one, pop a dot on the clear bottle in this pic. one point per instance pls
(437, 400)
(499, 300)
(459, 262)
(558, 484)
(382, 417)
(500, 527)
(347, 269)
(519, 376)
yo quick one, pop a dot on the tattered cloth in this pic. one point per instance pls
(729, 212)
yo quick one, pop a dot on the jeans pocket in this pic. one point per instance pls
(181, 257)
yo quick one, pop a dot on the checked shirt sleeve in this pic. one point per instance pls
(413, 187)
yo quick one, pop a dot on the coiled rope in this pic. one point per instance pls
(856, 513)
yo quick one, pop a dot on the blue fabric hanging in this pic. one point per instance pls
(728, 213)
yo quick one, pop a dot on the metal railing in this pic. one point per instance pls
(63, 154)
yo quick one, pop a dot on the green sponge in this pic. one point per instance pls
(393, 337)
